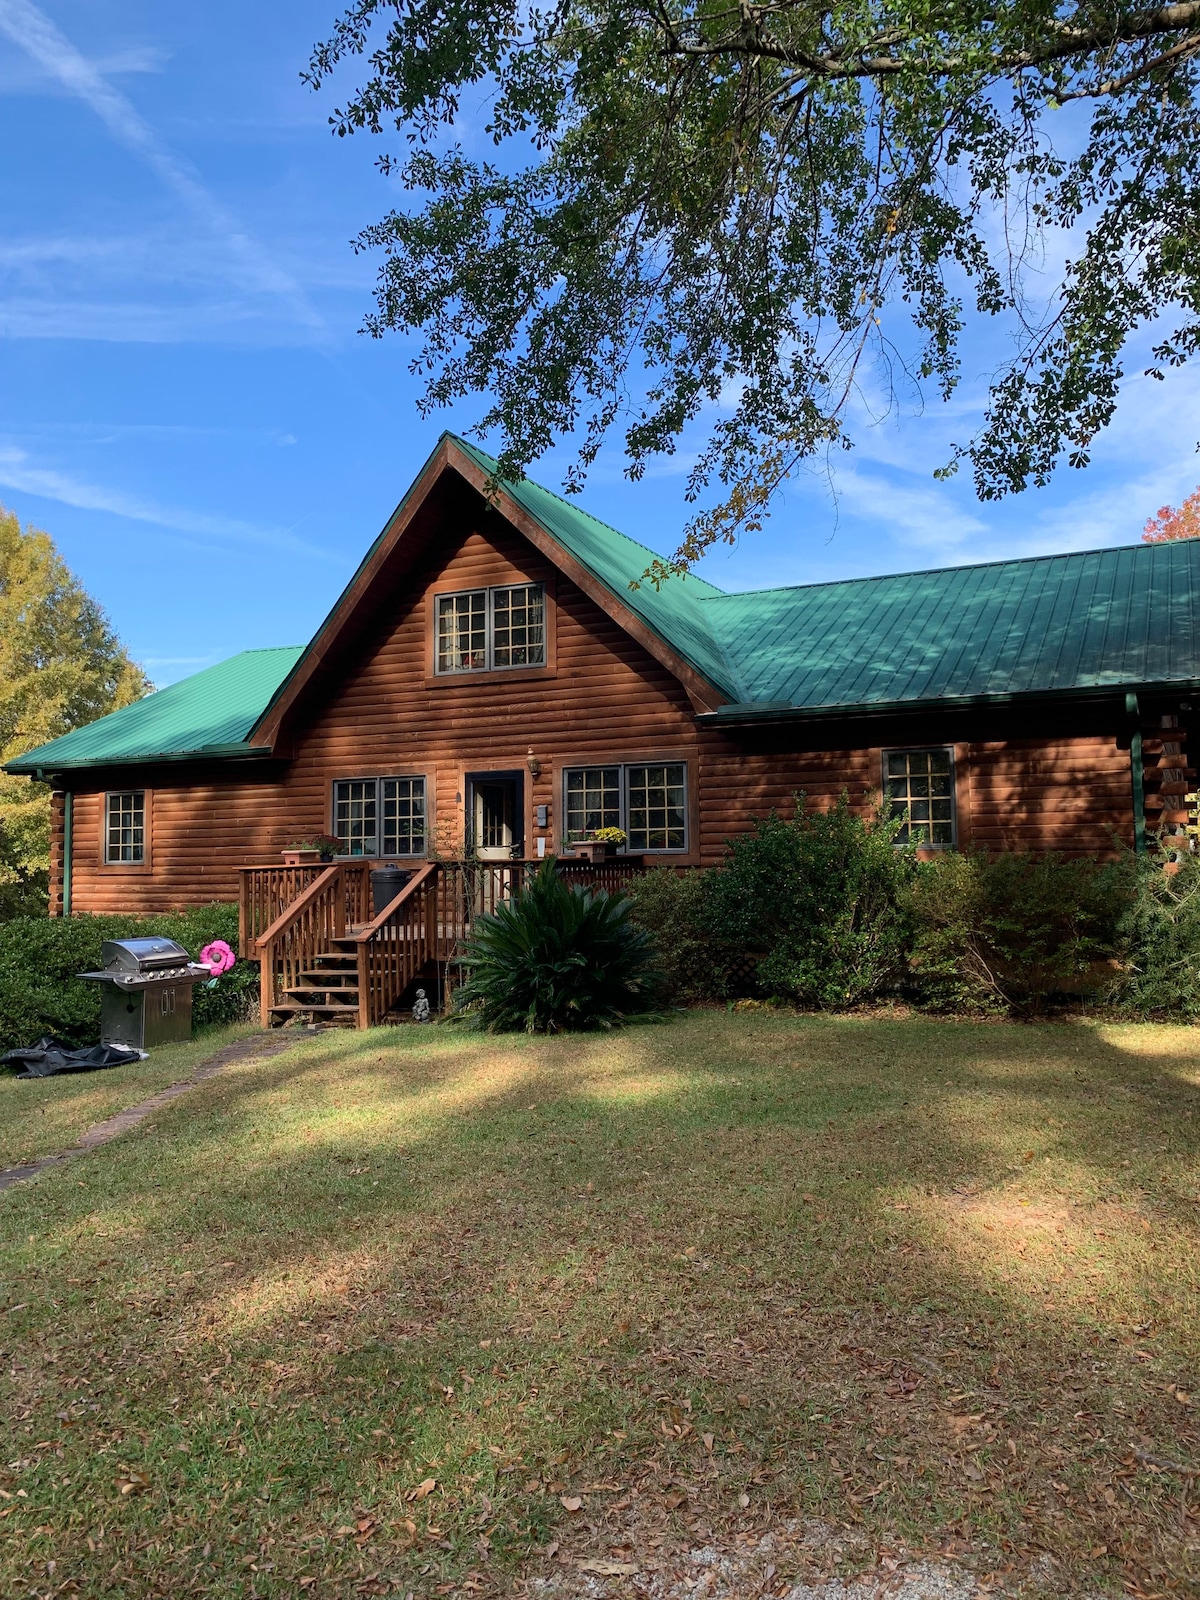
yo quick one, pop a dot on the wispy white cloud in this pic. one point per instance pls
(18, 472)
(140, 323)
(926, 517)
(32, 31)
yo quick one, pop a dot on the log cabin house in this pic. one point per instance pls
(489, 685)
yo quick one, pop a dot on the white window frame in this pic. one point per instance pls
(923, 749)
(392, 777)
(623, 768)
(136, 810)
(489, 631)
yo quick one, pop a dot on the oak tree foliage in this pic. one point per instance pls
(61, 665)
(729, 215)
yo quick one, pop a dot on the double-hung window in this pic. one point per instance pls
(380, 816)
(483, 630)
(919, 786)
(125, 828)
(647, 801)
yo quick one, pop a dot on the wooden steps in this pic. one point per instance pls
(327, 990)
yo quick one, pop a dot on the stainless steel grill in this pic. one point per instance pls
(147, 996)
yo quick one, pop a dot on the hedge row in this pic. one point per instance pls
(824, 910)
(40, 957)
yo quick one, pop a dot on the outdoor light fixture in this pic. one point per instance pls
(535, 766)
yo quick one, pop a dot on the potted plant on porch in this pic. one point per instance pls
(599, 843)
(319, 850)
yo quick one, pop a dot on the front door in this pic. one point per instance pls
(497, 832)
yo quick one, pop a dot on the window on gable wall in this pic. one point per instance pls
(919, 786)
(648, 801)
(491, 629)
(380, 816)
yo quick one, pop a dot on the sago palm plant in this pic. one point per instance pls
(557, 958)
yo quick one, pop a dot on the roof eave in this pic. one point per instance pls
(747, 714)
(22, 767)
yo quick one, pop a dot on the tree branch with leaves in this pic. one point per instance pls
(734, 217)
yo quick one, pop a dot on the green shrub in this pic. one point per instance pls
(40, 958)
(557, 958)
(670, 906)
(820, 903)
(1013, 931)
(1160, 941)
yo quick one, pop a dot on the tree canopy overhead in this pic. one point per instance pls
(733, 214)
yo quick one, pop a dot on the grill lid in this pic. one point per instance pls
(141, 955)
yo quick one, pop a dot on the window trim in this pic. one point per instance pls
(378, 779)
(912, 749)
(106, 860)
(442, 674)
(623, 767)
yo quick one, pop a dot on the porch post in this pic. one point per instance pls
(1137, 774)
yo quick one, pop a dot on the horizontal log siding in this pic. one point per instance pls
(1051, 794)
(739, 783)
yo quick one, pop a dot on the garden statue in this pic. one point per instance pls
(421, 1008)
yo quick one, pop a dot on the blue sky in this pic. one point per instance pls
(187, 406)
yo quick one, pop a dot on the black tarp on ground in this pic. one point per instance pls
(50, 1056)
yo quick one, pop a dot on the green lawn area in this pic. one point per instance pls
(41, 1116)
(418, 1311)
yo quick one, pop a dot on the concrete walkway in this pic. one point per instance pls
(257, 1047)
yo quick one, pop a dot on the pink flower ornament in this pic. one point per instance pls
(217, 957)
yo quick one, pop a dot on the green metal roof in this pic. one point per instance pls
(1124, 617)
(209, 713)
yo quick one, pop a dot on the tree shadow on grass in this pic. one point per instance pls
(720, 1259)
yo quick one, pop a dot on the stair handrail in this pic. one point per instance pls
(294, 907)
(418, 878)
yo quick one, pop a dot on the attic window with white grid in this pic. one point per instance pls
(487, 630)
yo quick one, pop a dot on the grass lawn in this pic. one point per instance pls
(40, 1116)
(422, 1312)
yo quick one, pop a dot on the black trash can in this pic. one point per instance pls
(386, 884)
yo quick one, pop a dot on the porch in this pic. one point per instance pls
(325, 954)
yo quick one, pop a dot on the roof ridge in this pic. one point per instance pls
(579, 510)
(928, 572)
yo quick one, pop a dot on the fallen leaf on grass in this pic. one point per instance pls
(570, 1502)
(608, 1569)
(674, 1500)
(426, 1487)
(133, 1482)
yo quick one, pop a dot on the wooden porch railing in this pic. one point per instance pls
(428, 921)
(265, 892)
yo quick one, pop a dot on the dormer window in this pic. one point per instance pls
(482, 630)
